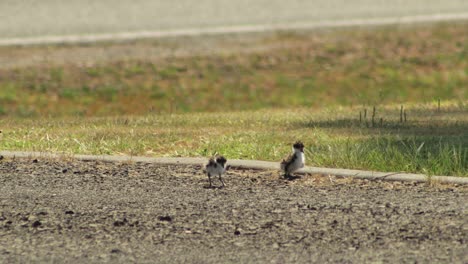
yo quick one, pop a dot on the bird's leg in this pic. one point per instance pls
(209, 179)
(221, 179)
(288, 176)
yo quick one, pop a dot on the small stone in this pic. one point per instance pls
(119, 223)
(115, 250)
(237, 232)
(165, 218)
(35, 161)
(69, 212)
(36, 223)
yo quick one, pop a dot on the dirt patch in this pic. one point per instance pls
(76, 211)
(147, 50)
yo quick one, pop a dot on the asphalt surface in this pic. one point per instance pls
(94, 211)
(33, 18)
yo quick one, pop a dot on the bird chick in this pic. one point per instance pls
(216, 166)
(294, 161)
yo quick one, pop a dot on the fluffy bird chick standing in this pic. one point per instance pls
(294, 161)
(216, 166)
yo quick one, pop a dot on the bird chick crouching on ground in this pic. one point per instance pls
(216, 166)
(294, 161)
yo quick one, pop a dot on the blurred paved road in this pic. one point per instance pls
(34, 18)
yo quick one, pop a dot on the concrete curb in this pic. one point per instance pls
(249, 164)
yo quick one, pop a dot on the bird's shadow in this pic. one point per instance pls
(292, 177)
(213, 187)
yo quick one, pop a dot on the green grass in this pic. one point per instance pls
(432, 141)
(341, 67)
(253, 105)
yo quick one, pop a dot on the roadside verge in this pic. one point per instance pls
(248, 164)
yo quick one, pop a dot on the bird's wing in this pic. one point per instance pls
(211, 163)
(288, 161)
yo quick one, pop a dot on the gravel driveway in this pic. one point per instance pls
(93, 211)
